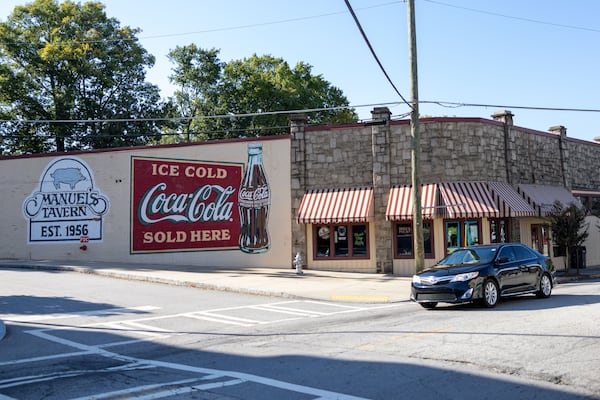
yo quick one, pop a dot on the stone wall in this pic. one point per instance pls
(378, 154)
(584, 164)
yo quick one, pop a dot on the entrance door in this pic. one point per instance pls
(471, 233)
(539, 238)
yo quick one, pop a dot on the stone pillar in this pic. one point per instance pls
(563, 150)
(298, 182)
(510, 153)
(380, 147)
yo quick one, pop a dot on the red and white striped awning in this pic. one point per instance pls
(510, 203)
(467, 200)
(400, 204)
(326, 206)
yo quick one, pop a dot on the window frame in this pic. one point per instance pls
(507, 229)
(463, 223)
(411, 256)
(332, 244)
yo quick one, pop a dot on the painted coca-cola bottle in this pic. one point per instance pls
(253, 201)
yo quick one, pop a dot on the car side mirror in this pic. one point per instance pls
(502, 260)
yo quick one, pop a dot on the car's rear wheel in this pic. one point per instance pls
(545, 287)
(491, 294)
(428, 305)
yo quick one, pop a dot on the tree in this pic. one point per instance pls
(68, 62)
(208, 87)
(569, 228)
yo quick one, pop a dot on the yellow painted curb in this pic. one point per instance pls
(361, 298)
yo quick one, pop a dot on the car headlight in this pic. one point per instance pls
(465, 277)
(416, 279)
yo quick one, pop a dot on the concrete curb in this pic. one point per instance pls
(575, 278)
(153, 279)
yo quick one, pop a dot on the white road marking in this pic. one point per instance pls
(217, 315)
(45, 358)
(205, 316)
(244, 377)
(190, 389)
(118, 393)
(27, 380)
(77, 314)
(142, 329)
(288, 310)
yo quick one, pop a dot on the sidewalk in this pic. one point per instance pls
(316, 285)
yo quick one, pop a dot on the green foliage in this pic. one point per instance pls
(208, 87)
(569, 226)
(70, 62)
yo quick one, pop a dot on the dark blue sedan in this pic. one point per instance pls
(484, 273)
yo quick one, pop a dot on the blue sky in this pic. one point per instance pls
(501, 53)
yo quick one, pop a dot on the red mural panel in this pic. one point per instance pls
(184, 205)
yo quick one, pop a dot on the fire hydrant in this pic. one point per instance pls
(298, 261)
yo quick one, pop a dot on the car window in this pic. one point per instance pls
(523, 253)
(469, 256)
(507, 254)
(463, 256)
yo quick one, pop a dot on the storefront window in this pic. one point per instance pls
(359, 240)
(341, 241)
(404, 240)
(461, 233)
(323, 241)
(499, 232)
(452, 236)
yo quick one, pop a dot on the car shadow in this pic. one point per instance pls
(526, 302)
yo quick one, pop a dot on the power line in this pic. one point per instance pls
(177, 119)
(228, 28)
(364, 35)
(441, 103)
(450, 104)
(535, 21)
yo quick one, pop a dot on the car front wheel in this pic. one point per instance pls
(490, 293)
(545, 287)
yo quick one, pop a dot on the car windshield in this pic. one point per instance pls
(469, 256)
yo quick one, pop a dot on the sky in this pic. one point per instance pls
(538, 59)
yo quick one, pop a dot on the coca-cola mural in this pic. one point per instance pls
(254, 202)
(186, 205)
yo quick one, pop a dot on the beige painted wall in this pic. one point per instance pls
(20, 177)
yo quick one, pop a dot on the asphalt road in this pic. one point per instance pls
(75, 336)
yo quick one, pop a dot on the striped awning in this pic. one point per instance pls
(400, 204)
(467, 200)
(543, 197)
(326, 206)
(510, 203)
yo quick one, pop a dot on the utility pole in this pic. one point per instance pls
(415, 154)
